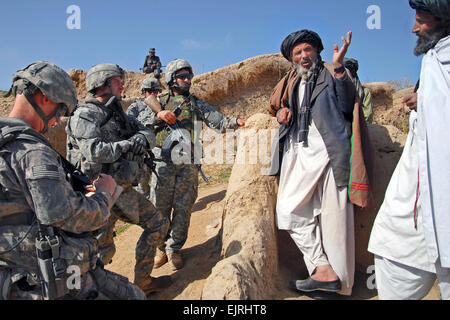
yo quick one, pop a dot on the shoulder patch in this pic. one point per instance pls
(84, 123)
(43, 172)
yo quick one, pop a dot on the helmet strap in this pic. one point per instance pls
(29, 96)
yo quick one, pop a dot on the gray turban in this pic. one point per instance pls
(437, 8)
(302, 36)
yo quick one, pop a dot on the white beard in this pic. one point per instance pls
(304, 72)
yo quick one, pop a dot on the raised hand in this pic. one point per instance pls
(339, 54)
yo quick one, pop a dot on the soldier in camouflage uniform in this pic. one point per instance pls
(103, 139)
(140, 111)
(36, 200)
(176, 186)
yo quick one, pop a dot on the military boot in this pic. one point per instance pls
(160, 258)
(175, 260)
(152, 284)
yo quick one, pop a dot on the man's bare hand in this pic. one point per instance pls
(105, 182)
(284, 115)
(339, 54)
(167, 116)
(411, 101)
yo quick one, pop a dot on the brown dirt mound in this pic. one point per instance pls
(6, 105)
(133, 81)
(243, 88)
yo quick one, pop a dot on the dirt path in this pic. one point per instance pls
(202, 251)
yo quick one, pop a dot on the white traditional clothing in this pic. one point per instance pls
(313, 209)
(425, 167)
(397, 281)
(394, 235)
(433, 109)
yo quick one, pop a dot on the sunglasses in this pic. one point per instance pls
(62, 111)
(184, 76)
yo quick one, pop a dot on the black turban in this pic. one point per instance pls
(302, 36)
(437, 8)
(351, 64)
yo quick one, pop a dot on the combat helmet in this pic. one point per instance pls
(174, 66)
(99, 75)
(151, 84)
(52, 81)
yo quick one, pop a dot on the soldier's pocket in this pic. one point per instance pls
(81, 252)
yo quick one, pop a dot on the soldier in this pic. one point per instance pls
(45, 224)
(176, 185)
(364, 94)
(152, 63)
(141, 112)
(103, 139)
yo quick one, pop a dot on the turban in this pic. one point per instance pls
(302, 36)
(437, 8)
(351, 64)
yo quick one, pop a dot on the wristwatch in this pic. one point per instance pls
(340, 69)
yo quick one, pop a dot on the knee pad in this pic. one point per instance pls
(116, 287)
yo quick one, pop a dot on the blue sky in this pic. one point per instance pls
(210, 34)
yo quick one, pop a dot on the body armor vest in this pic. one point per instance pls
(185, 119)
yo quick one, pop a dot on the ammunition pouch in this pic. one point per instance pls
(57, 252)
(45, 260)
(79, 251)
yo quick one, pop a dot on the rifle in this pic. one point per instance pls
(143, 68)
(127, 131)
(77, 179)
(176, 135)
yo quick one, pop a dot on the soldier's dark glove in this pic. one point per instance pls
(139, 143)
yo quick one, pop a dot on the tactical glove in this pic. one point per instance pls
(125, 146)
(139, 143)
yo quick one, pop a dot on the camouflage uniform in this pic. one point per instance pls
(35, 195)
(97, 148)
(140, 111)
(176, 186)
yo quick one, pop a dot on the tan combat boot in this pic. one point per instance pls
(175, 260)
(155, 284)
(160, 258)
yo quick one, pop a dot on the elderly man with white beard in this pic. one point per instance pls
(315, 110)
